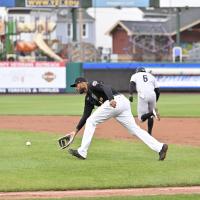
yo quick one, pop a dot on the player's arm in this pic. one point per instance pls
(87, 112)
(157, 91)
(68, 139)
(132, 89)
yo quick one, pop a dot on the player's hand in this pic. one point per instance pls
(130, 98)
(65, 141)
(113, 103)
(73, 134)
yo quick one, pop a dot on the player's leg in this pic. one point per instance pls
(145, 113)
(151, 98)
(102, 113)
(146, 116)
(142, 109)
(149, 117)
(150, 123)
(127, 120)
(152, 106)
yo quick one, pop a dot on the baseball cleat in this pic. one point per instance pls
(163, 152)
(156, 114)
(75, 153)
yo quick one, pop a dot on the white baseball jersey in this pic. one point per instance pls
(145, 85)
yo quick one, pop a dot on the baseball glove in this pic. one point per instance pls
(65, 141)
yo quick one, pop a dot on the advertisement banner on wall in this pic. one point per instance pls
(53, 3)
(33, 77)
(120, 3)
(167, 82)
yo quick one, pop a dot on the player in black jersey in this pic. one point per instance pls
(111, 104)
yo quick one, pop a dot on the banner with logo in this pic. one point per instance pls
(33, 77)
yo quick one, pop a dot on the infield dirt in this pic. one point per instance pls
(170, 130)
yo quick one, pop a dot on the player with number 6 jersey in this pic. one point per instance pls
(148, 94)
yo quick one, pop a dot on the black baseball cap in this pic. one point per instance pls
(78, 80)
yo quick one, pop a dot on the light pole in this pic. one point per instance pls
(74, 17)
(178, 22)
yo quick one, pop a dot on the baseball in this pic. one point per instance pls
(28, 143)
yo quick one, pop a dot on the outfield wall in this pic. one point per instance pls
(56, 77)
(170, 76)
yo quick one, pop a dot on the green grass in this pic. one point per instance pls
(41, 105)
(110, 164)
(176, 105)
(169, 197)
(170, 105)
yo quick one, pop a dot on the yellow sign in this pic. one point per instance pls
(53, 3)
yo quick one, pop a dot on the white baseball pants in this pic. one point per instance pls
(146, 104)
(122, 113)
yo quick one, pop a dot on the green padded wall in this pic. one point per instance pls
(73, 70)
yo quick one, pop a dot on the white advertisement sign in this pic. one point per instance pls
(178, 81)
(21, 77)
(181, 77)
(18, 77)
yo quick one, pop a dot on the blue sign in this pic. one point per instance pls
(120, 3)
(7, 3)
